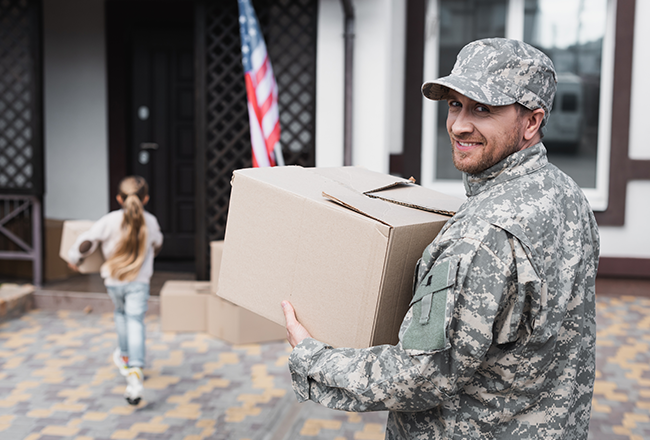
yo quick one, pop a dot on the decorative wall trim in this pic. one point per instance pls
(410, 161)
(624, 267)
(622, 169)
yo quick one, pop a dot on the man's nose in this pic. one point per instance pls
(460, 123)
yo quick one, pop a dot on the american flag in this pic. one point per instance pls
(261, 89)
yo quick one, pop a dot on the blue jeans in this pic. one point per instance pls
(130, 306)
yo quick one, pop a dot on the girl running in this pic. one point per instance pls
(130, 238)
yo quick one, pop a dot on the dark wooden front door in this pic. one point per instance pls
(162, 133)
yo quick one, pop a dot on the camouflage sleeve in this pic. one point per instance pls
(428, 365)
(372, 379)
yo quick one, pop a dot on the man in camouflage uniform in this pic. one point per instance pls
(499, 341)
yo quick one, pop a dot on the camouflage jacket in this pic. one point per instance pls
(499, 341)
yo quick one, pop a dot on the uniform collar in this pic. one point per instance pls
(516, 165)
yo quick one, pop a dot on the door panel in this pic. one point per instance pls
(162, 121)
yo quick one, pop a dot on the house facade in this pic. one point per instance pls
(92, 90)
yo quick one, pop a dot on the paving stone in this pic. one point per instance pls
(57, 381)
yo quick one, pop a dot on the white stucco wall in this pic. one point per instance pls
(396, 71)
(639, 146)
(76, 152)
(633, 239)
(372, 84)
(329, 84)
(378, 83)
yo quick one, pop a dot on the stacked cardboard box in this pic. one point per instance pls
(193, 306)
(183, 306)
(230, 322)
(341, 244)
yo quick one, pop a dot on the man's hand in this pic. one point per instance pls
(73, 267)
(295, 331)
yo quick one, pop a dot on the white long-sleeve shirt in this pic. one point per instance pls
(106, 232)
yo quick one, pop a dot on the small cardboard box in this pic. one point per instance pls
(183, 306)
(340, 244)
(186, 285)
(55, 267)
(72, 229)
(216, 250)
(237, 325)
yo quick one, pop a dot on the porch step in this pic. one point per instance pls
(88, 302)
(15, 299)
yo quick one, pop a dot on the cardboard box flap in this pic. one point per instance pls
(353, 198)
(360, 179)
(415, 196)
(293, 179)
(387, 188)
(383, 211)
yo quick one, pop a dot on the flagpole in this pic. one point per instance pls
(348, 10)
(279, 158)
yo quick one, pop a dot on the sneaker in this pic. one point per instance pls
(121, 362)
(134, 387)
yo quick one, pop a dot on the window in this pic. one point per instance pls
(576, 35)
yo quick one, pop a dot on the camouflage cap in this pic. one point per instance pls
(500, 71)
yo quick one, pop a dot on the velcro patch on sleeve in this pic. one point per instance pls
(427, 330)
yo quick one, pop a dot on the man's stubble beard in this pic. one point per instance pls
(489, 160)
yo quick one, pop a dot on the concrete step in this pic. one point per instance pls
(88, 302)
(15, 299)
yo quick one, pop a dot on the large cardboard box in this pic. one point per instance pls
(340, 244)
(230, 322)
(237, 325)
(183, 306)
(71, 231)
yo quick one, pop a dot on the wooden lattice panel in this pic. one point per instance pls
(291, 30)
(289, 27)
(20, 150)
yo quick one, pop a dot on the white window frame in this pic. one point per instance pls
(598, 196)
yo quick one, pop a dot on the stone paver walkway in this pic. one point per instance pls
(57, 381)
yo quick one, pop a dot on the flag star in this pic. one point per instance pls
(242, 19)
(244, 49)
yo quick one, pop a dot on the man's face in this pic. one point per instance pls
(482, 135)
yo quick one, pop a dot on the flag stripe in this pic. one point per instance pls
(269, 120)
(260, 152)
(261, 90)
(262, 71)
(273, 138)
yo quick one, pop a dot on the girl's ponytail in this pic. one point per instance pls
(129, 254)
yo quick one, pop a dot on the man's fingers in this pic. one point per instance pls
(289, 313)
(295, 331)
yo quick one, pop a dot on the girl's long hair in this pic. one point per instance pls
(129, 254)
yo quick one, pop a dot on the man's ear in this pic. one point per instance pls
(119, 199)
(146, 200)
(533, 123)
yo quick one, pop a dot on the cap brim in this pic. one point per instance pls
(478, 91)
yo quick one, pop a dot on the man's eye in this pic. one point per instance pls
(454, 104)
(482, 108)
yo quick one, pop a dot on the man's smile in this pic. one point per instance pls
(466, 145)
